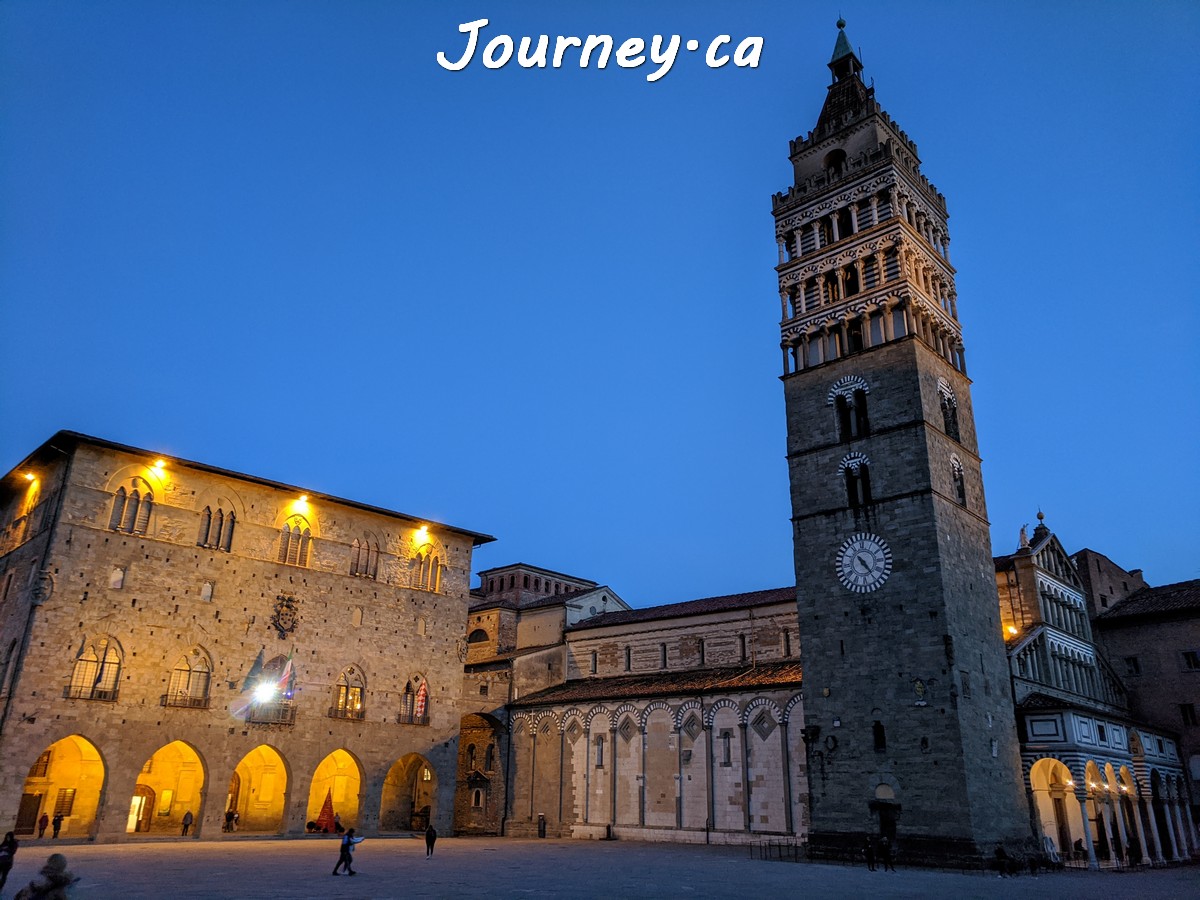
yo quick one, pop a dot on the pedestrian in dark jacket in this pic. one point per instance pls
(8, 850)
(346, 853)
(885, 854)
(430, 840)
(43, 822)
(188, 819)
(56, 824)
(869, 853)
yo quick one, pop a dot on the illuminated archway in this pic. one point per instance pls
(67, 778)
(1057, 809)
(172, 781)
(339, 777)
(409, 795)
(261, 795)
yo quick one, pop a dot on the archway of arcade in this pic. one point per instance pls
(258, 791)
(169, 786)
(338, 779)
(409, 794)
(65, 779)
(1058, 810)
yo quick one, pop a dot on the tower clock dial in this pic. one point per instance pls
(864, 562)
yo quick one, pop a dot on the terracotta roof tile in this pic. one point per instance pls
(663, 684)
(1183, 596)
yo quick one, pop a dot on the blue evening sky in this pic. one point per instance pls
(277, 237)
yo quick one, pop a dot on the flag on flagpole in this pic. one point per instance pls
(287, 670)
(255, 671)
(422, 696)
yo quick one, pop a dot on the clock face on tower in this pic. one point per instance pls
(864, 562)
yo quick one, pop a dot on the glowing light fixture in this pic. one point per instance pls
(159, 463)
(264, 693)
(29, 476)
(422, 535)
(304, 498)
(1012, 629)
(1070, 783)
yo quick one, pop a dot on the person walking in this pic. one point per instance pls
(43, 822)
(188, 819)
(346, 853)
(8, 850)
(885, 854)
(430, 840)
(869, 853)
(54, 883)
(56, 824)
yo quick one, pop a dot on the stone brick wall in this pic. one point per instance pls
(171, 596)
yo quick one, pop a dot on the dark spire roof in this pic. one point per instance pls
(844, 62)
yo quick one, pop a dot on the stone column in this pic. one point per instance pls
(642, 787)
(789, 824)
(533, 742)
(784, 347)
(782, 243)
(562, 771)
(745, 776)
(1158, 842)
(816, 235)
(1119, 820)
(866, 329)
(612, 746)
(833, 226)
(587, 775)
(874, 209)
(1138, 833)
(1181, 837)
(708, 774)
(679, 779)
(854, 229)
(1093, 863)
(801, 298)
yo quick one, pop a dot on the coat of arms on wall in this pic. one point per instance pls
(287, 613)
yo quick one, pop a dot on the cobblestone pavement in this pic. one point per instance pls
(479, 867)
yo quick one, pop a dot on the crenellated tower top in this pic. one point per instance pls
(864, 249)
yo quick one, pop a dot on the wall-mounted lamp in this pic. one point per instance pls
(29, 476)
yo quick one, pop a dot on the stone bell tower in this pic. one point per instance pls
(909, 723)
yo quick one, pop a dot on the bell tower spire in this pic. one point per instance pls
(907, 714)
(844, 63)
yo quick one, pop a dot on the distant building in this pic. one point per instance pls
(180, 638)
(515, 631)
(1152, 637)
(1097, 773)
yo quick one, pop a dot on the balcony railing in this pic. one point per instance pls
(344, 713)
(283, 713)
(184, 701)
(83, 692)
(412, 718)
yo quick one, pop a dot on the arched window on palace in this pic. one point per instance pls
(880, 737)
(414, 702)
(960, 486)
(97, 671)
(364, 558)
(489, 758)
(470, 756)
(949, 405)
(348, 695)
(190, 680)
(295, 540)
(478, 636)
(429, 571)
(216, 529)
(132, 505)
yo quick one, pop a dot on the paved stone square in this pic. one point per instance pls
(494, 867)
